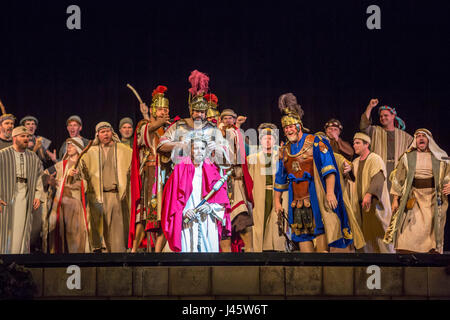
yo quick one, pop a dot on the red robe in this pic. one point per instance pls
(176, 193)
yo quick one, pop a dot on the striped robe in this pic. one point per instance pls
(7, 194)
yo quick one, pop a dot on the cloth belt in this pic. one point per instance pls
(423, 183)
(23, 180)
(150, 161)
(269, 187)
(306, 177)
(112, 191)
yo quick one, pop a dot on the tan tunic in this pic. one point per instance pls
(109, 208)
(417, 231)
(355, 222)
(265, 233)
(113, 225)
(375, 221)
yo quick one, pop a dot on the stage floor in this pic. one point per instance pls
(228, 259)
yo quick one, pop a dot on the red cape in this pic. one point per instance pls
(136, 186)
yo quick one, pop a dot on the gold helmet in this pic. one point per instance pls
(159, 100)
(291, 110)
(199, 87)
(213, 110)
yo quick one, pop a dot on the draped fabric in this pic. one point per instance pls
(7, 189)
(177, 192)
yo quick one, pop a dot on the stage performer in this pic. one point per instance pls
(212, 114)
(307, 169)
(68, 229)
(369, 195)
(126, 131)
(198, 106)
(240, 184)
(106, 168)
(6, 127)
(389, 140)
(21, 192)
(149, 172)
(344, 167)
(333, 130)
(193, 178)
(262, 167)
(171, 143)
(420, 185)
(39, 144)
(74, 125)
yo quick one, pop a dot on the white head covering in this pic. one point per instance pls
(437, 152)
(362, 136)
(77, 143)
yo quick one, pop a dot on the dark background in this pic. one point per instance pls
(253, 51)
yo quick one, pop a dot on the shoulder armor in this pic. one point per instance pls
(322, 147)
(141, 123)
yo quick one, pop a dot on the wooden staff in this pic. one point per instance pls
(2, 107)
(135, 93)
(70, 178)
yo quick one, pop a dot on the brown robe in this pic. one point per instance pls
(69, 232)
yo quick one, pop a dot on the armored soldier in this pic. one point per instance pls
(308, 170)
(148, 175)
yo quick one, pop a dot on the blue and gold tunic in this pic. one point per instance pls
(295, 173)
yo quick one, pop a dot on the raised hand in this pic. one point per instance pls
(144, 108)
(38, 144)
(373, 103)
(240, 120)
(52, 155)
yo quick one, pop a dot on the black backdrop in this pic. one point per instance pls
(253, 51)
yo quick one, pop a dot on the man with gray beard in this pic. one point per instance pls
(6, 128)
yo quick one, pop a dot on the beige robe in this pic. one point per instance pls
(270, 240)
(355, 224)
(97, 198)
(416, 228)
(375, 221)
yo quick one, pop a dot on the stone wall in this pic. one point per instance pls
(243, 282)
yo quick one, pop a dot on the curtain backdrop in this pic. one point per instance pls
(253, 51)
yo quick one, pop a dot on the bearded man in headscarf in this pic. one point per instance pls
(106, 168)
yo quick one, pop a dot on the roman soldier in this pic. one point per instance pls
(308, 170)
(149, 172)
(212, 114)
